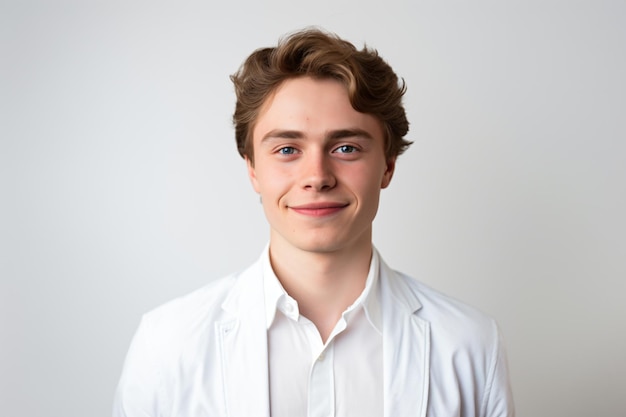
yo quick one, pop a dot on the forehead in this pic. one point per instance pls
(313, 107)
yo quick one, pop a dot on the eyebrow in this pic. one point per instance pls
(332, 135)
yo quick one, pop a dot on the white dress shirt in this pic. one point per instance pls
(344, 376)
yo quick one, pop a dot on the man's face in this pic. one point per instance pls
(319, 166)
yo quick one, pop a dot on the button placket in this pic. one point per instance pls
(322, 385)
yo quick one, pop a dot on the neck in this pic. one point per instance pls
(325, 283)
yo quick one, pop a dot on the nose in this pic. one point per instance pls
(317, 172)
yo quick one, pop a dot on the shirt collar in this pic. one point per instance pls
(276, 298)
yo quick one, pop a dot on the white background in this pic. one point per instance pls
(121, 187)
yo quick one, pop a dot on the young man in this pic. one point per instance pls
(319, 326)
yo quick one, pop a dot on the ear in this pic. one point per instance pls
(388, 174)
(252, 174)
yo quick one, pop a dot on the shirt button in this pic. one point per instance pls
(321, 357)
(288, 308)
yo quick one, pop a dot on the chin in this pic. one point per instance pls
(323, 240)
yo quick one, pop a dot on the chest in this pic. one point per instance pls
(341, 377)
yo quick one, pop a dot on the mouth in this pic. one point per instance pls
(319, 209)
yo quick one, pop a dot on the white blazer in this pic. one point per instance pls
(205, 354)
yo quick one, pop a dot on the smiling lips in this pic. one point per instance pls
(319, 209)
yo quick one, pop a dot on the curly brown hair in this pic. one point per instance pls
(372, 85)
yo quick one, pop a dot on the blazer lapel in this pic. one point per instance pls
(406, 348)
(243, 347)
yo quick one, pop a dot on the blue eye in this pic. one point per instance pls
(287, 150)
(346, 149)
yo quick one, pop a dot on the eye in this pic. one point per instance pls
(287, 150)
(346, 149)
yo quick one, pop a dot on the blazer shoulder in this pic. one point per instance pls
(172, 344)
(194, 304)
(193, 316)
(465, 342)
(449, 317)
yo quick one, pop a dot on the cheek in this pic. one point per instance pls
(366, 182)
(272, 183)
(368, 193)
